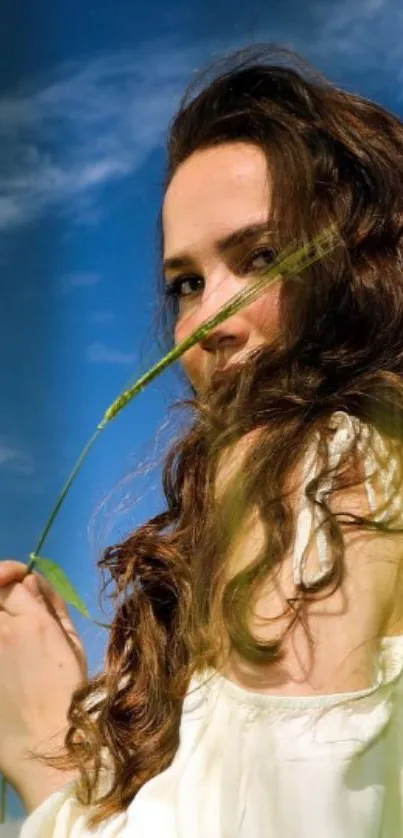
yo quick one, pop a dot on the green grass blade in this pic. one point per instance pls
(288, 264)
(59, 581)
(62, 496)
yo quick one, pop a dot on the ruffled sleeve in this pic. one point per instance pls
(62, 816)
(382, 485)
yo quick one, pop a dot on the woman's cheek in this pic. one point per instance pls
(192, 362)
(264, 313)
(185, 325)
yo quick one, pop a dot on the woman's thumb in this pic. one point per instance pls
(33, 586)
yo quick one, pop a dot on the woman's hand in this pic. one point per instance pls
(42, 661)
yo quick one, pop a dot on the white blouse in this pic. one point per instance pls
(251, 765)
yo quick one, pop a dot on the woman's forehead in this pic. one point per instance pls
(218, 189)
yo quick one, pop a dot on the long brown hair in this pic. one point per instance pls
(334, 158)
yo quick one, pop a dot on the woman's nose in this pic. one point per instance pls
(232, 337)
(232, 333)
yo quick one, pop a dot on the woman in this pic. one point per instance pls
(253, 681)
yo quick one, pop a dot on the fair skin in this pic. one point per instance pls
(43, 660)
(215, 193)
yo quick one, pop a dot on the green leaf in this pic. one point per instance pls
(58, 579)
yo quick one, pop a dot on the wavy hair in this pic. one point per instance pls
(337, 158)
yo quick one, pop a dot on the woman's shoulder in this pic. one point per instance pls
(332, 646)
(373, 557)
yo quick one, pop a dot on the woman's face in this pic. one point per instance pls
(216, 220)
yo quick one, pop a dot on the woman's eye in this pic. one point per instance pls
(187, 286)
(265, 256)
(183, 286)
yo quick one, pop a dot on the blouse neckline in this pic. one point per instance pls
(389, 670)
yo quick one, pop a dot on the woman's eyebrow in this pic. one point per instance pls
(223, 245)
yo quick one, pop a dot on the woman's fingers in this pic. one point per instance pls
(41, 664)
(11, 571)
(14, 573)
(17, 600)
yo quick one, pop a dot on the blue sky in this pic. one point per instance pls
(86, 93)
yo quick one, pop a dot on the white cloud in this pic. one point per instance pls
(95, 123)
(15, 459)
(100, 316)
(364, 35)
(98, 353)
(84, 279)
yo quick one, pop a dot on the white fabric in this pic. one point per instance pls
(251, 765)
(377, 466)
